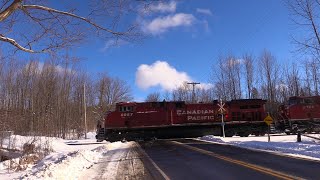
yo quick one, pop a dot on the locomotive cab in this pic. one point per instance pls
(301, 114)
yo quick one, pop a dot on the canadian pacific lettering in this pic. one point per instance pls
(197, 118)
(197, 115)
(194, 112)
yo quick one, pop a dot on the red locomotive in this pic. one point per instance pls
(300, 113)
(177, 119)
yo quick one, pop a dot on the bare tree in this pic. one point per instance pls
(307, 81)
(269, 74)
(228, 78)
(167, 96)
(249, 73)
(270, 85)
(220, 80)
(153, 97)
(48, 27)
(206, 95)
(314, 66)
(47, 99)
(292, 80)
(311, 77)
(109, 92)
(234, 69)
(182, 93)
(305, 14)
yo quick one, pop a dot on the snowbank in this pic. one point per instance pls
(308, 148)
(64, 162)
(64, 166)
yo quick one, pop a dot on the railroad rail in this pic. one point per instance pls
(317, 138)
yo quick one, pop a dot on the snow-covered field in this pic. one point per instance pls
(71, 161)
(307, 148)
(65, 162)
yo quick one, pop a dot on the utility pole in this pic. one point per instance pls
(193, 85)
(85, 110)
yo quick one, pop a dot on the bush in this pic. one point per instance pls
(28, 148)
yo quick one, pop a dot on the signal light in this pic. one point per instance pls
(226, 116)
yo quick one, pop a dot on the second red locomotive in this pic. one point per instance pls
(177, 119)
(300, 113)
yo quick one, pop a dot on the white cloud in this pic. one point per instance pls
(160, 74)
(204, 11)
(163, 7)
(113, 43)
(162, 24)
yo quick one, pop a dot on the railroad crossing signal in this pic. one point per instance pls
(221, 109)
(268, 120)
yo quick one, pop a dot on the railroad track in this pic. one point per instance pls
(86, 143)
(291, 134)
(317, 138)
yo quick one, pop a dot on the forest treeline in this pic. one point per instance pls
(48, 98)
(249, 77)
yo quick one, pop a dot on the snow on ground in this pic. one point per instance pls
(69, 159)
(308, 148)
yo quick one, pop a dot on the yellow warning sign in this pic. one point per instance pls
(268, 120)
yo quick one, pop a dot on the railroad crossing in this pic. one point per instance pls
(222, 110)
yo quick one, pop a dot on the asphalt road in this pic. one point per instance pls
(192, 159)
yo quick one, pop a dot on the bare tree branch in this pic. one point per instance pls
(14, 43)
(71, 15)
(47, 28)
(5, 2)
(304, 14)
(10, 9)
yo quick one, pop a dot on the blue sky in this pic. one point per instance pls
(185, 39)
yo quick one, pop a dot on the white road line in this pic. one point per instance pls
(288, 155)
(153, 163)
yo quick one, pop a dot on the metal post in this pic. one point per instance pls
(268, 133)
(8, 134)
(85, 110)
(222, 120)
(9, 149)
(299, 136)
(222, 123)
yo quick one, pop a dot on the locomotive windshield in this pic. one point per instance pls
(296, 100)
(126, 108)
(308, 101)
(293, 101)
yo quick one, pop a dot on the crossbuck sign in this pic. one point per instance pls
(221, 109)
